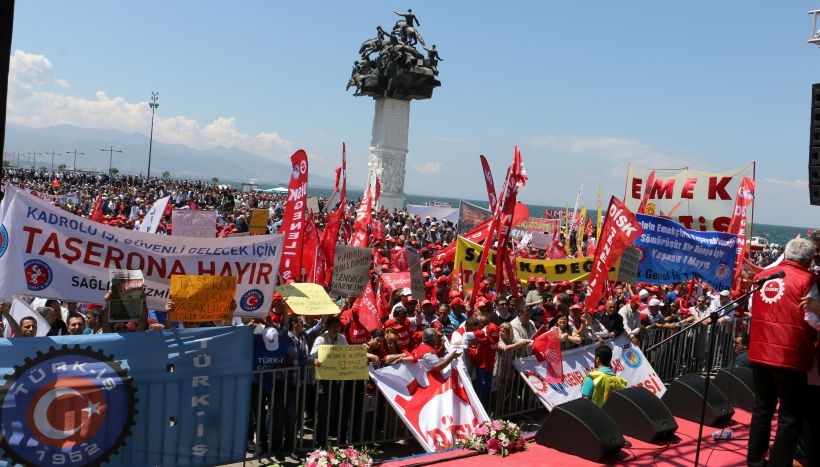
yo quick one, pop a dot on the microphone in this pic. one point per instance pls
(777, 275)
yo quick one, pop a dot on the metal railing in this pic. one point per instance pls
(292, 412)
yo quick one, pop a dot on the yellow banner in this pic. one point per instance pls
(308, 299)
(342, 362)
(555, 270)
(259, 222)
(202, 298)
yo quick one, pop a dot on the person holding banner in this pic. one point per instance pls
(27, 327)
(427, 354)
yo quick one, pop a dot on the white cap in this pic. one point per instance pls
(643, 293)
(655, 302)
(406, 291)
(725, 293)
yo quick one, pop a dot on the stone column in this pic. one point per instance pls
(388, 150)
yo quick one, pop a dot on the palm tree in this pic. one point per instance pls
(114, 171)
(166, 175)
(214, 180)
(61, 167)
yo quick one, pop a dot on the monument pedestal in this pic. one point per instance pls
(388, 150)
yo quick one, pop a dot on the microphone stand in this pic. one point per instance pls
(714, 316)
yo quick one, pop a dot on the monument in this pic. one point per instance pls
(393, 72)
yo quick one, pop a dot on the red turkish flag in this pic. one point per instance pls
(97, 211)
(547, 348)
(369, 313)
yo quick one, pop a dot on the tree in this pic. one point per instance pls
(166, 175)
(61, 167)
(114, 171)
(6, 163)
(214, 180)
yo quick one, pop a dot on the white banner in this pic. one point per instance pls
(445, 213)
(150, 221)
(439, 408)
(73, 197)
(188, 223)
(697, 200)
(48, 252)
(19, 310)
(627, 361)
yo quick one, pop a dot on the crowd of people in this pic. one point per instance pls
(497, 322)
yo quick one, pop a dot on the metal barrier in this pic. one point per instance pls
(687, 353)
(292, 412)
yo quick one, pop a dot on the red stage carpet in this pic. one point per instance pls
(681, 452)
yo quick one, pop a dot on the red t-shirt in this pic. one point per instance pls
(485, 348)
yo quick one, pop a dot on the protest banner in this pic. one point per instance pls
(627, 361)
(535, 225)
(151, 220)
(19, 310)
(540, 240)
(202, 298)
(672, 253)
(73, 197)
(416, 279)
(342, 362)
(259, 222)
(190, 223)
(569, 269)
(305, 298)
(46, 243)
(293, 220)
(396, 280)
(697, 200)
(77, 400)
(441, 213)
(313, 204)
(470, 216)
(439, 408)
(628, 271)
(351, 270)
(126, 295)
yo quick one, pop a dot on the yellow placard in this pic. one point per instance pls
(259, 222)
(202, 298)
(308, 299)
(342, 362)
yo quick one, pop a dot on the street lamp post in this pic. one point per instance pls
(34, 161)
(111, 152)
(74, 169)
(53, 153)
(153, 104)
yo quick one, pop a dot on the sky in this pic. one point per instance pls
(583, 88)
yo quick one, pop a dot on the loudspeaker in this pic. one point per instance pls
(582, 429)
(738, 386)
(639, 413)
(814, 147)
(685, 397)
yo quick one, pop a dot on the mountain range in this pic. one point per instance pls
(226, 164)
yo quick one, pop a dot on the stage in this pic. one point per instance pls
(680, 452)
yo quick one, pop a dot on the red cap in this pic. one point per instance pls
(277, 297)
(636, 298)
(542, 280)
(531, 279)
(426, 302)
(457, 301)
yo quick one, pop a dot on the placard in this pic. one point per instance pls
(313, 204)
(628, 272)
(305, 298)
(193, 223)
(259, 222)
(342, 362)
(202, 298)
(351, 270)
(126, 295)
(416, 279)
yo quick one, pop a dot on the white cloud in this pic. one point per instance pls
(428, 167)
(797, 185)
(32, 104)
(452, 139)
(618, 151)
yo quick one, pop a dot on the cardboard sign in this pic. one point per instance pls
(628, 272)
(313, 204)
(541, 240)
(126, 295)
(342, 362)
(202, 298)
(189, 223)
(259, 222)
(308, 299)
(416, 279)
(351, 270)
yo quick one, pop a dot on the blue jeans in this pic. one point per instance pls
(483, 385)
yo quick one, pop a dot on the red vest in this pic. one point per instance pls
(423, 350)
(779, 334)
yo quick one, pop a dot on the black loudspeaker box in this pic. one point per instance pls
(738, 386)
(685, 398)
(641, 414)
(582, 429)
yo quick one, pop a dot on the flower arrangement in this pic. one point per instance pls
(497, 437)
(341, 457)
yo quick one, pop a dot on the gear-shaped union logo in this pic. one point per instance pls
(772, 290)
(68, 406)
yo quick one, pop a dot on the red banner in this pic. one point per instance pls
(396, 280)
(360, 234)
(488, 179)
(293, 223)
(619, 231)
(369, 313)
(745, 197)
(547, 348)
(448, 253)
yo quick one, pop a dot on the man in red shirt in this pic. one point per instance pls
(781, 349)
(354, 330)
(482, 354)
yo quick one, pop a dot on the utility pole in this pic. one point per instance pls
(153, 104)
(111, 152)
(74, 169)
(34, 161)
(53, 153)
